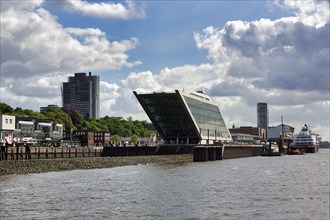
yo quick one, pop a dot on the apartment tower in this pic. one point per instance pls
(82, 94)
(263, 116)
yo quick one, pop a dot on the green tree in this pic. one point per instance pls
(116, 139)
(72, 119)
(134, 139)
(92, 125)
(5, 109)
(76, 117)
(115, 126)
(18, 111)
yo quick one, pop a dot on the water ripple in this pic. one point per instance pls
(288, 187)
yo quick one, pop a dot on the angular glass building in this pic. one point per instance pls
(185, 118)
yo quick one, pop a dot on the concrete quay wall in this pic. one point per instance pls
(215, 152)
(202, 152)
(147, 150)
(238, 151)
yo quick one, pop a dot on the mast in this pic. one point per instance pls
(282, 136)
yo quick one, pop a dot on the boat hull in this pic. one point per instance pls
(307, 149)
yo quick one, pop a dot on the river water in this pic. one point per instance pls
(287, 187)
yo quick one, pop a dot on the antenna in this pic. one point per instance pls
(62, 96)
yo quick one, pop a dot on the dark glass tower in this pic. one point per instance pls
(81, 93)
(263, 117)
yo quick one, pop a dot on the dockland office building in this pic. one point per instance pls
(82, 94)
(185, 118)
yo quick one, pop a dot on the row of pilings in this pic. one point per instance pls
(208, 153)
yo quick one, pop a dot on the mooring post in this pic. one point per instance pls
(17, 152)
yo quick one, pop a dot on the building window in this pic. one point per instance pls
(10, 121)
(6, 120)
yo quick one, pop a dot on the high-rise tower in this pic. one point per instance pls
(82, 93)
(263, 117)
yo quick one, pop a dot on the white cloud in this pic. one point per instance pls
(34, 43)
(20, 5)
(284, 54)
(310, 12)
(284, 62)
(38, 54)
(108, 96)
(186, 77)
(32, 92)
(107, 10)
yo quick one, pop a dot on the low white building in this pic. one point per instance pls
(276, 132)
(18, 130)
(7, 127)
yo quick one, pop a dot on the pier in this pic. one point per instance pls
(199, 152)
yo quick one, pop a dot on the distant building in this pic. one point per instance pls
(245, 138)
(45, 109)
(274, 133)
(185, 118)
(7, 127)
(25, 130)
(37, 130)
(91, 138)
(324, 144)
(82, 94)
(262, 116)
(254, 132)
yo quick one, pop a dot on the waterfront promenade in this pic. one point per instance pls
(46, 159)
(61, 164)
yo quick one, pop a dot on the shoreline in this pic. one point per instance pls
(12, 167)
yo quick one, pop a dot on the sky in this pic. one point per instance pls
(239, 52)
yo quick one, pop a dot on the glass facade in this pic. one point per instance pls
(170, 117)
(208, 118)
(185, 119)
(263, 118)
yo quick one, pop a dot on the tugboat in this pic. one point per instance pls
(305, 141)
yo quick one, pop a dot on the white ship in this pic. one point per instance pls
(306, 141)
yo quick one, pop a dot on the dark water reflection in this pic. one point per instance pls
(288, 187)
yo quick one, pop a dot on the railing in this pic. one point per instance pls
(26, 153)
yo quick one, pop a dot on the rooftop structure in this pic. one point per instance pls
(185, 118)
(275, 132)
(45, 109)
(246, 138)
(260, 132)
(81, 93)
